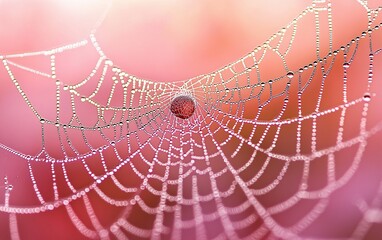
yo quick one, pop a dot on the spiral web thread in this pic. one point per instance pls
(225, 148)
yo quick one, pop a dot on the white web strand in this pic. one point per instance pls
(218, 143)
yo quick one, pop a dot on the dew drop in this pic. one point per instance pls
(346, 65)
(366, 97)
(290, 74)
(109, 62)
(9, 187)
(116, 69)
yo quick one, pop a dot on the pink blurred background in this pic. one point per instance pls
(170, 41)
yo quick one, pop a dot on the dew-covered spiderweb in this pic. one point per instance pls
(256, 155)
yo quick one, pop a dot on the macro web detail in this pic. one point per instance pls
(231, 154)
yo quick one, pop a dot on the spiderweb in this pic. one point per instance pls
(264, 155)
